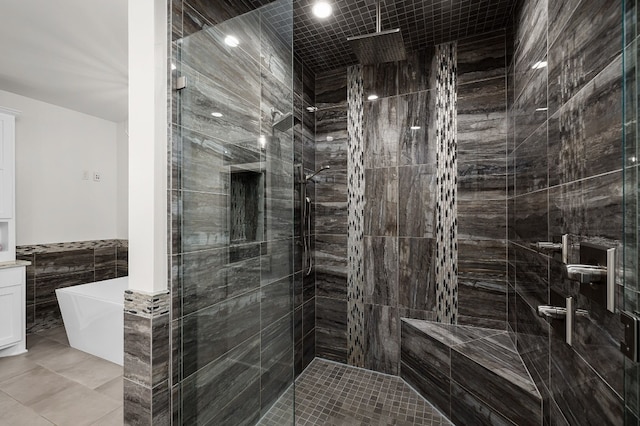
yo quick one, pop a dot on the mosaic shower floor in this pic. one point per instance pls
(328, 393)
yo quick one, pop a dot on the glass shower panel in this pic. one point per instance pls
(236, 197)
(630, 167)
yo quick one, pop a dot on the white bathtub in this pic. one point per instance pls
(93, 316)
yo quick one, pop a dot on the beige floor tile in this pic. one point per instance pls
(57, 334)
(11, 366)
(12, 413)
(91, 371)
(114, 389)
(35, 385)
(59, 358)
(114, 418)
(75, 406)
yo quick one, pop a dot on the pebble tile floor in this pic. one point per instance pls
(54, 384)
(333, 394)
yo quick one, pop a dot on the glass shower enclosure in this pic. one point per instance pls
(233, 264)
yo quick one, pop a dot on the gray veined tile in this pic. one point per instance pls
(64, 262)
(204, 163)
(382, 338)
(381, 79)
(416, 277)
(381, 133)
(331, 88)
(531, 166)
(414, 72)
(222, 381)
(416, 198)
(239, 73)
(240, 119)
(276, 301)
(530, 41)
(213, 331)
(589, 42)
(381, 195)
(426, 365)
(481, 58)
(585, 134)
(416, 128)
(589, 208)
(204, 221)
(276, 260)
(380, 260)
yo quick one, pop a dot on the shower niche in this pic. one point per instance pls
(246, 206)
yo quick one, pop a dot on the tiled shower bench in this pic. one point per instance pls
(473, 375)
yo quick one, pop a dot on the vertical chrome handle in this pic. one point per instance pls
(611, 280)
(565, 248)
(568, 323)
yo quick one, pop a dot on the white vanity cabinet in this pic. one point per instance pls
(12, 308)
(12, 273)
(7, 184)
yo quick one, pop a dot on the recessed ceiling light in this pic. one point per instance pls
(541, 109)
(415, 127)
(322, 9)
(231, 41)
(372, 97)
(312, 108)
(216, 114)
(173, 67)
(263, 141)
(539, 64)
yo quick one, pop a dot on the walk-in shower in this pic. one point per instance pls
(303, 180)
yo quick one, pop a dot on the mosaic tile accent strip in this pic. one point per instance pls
(355, 209)
(446, 219)
(328, 393)
(75, 245)
(146, 305)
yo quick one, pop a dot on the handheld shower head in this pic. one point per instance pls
(321, 169)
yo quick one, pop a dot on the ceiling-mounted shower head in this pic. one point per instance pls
(379, 47)
(286, 122)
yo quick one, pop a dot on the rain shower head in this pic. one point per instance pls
(378, 47)
(286, 122)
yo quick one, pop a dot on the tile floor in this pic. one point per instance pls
(54, 384)
(333, 394)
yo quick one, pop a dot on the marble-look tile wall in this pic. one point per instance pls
(565, 177)
(331, 215)
(59, 265)
(304, 153)
(237, 308)
(399, 213)
(482, 138)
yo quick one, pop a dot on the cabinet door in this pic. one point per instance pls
(7, 146)
(10, 315)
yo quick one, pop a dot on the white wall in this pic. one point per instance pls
(54, 147)
(122, 165)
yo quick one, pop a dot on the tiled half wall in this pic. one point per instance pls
(59, 265)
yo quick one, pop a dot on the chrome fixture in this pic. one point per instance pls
(321, 169)
(285, 122)
(596, 274)
(305, 217)
(585, 274)
(378, 47)
(562, 247)
(565, 313)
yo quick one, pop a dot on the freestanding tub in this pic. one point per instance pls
(93, 316)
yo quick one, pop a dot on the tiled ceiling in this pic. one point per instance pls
(322, 44)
